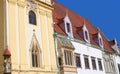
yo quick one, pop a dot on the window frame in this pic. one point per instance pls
(78, 62)
(93, 61)
(86, 62)
(68, 27)
(32, 17)
(86, 35)
(35, 57)
(100, 66)
(68, 57)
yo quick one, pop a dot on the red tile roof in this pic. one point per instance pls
(77, 21)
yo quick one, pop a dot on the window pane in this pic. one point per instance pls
(93, 63)
(86, 60)
(100, 64)
(68, 57)
(32, 18)
(33, 63)
(86, 35)
(65, 55)
(36, 60)
(68, 27)
(60, 61)
(35, 57)
(78, 61)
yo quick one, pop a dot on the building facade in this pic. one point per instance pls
(92, 52)
(26, 40)
(44, 37)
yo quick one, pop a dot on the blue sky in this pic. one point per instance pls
(104, 14)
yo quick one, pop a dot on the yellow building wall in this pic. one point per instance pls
(1, 34)
(20, 35)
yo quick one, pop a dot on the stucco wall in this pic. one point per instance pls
(91, 52)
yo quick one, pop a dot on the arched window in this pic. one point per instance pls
(35, 55)
(32, 18)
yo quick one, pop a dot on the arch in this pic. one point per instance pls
(35, 52)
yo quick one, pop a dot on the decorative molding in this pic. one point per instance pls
(48, 14)
(32, 4)
(21, 3)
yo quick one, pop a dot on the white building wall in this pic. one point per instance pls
(117, 61)
(91, 52)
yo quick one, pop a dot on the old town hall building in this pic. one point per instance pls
(44, 37)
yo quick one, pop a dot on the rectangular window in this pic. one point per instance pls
(68, 27)
(68, 57)
(86, 35)
(100, 64)
(86, 60)
(60, 61)
(78, 60)
(93, 63)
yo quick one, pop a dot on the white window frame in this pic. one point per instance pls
(86, 30)
(100, 40)
(67, 20)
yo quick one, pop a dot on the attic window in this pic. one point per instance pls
(68, 27)
(100, 41)
(86, 35)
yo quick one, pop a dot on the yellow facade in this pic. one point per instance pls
(18, 34)
(1, 35)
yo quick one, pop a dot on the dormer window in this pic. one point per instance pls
(32, 18)
(68, 27)
(86, 34)
(100, 40)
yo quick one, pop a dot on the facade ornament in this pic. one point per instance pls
(32, 5)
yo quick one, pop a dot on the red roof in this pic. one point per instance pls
(77, 21)
(7, 52)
